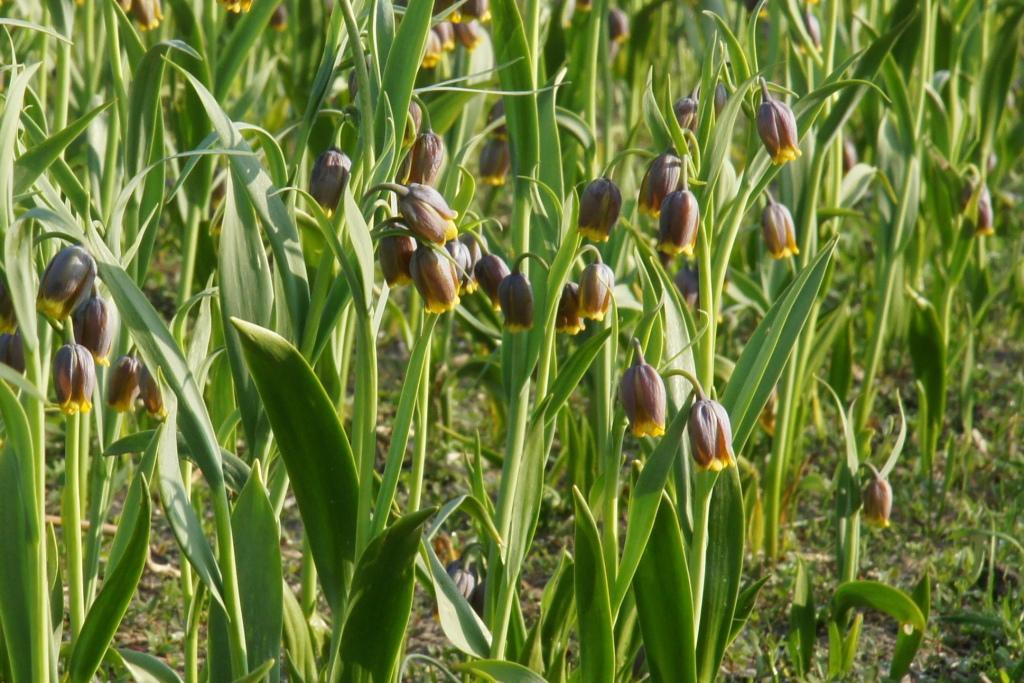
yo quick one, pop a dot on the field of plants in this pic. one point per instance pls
(511, 340)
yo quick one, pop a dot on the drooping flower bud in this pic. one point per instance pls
(777, 127)
(643, 398)
(495, 161)
(767, 416)
(465, 581)
(328, 179)
(678, 223)
(279, 19)
(496, 113)
(94, 323)
(12, 351)
(600, 205)
(424, 160)
(490, 271)
(567, 318)
(584, 5)
(685, 110)
(475, 253)
(440, 6)
(427, 213)
(710, 435)
(74, 378)
(147, 14)
(8, 319)
(688, 282)
(597, 282)
(123, 383)
(446, 32)
(618, 26)
(516, 296)
(984, 225)
(661, 178)
(877, 500)
(149, 392)
(395, 254)
(436, 279)
(721, 98)
(463, 265)
(476, 9)
(778, 230)
(432, 50)
(469, 34)
(66, 282)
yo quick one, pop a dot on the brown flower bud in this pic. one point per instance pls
(465, 581)
(123, 383)
(767, 416)
(984, 225)
(495, 161)
(516, 296)
(777, 127)
(710, 435)
(469, 34)
(445, 30)
(147, 14)
(600, 205)
(94, 323)
(643, 398)
(12, 351)
(685, 110)
(490, 271)
(849, 154)
(877, 500)
(413, 123)
(149, 392)
(688, 282)
(618, 26)
(678, 223)
(463, 265)
(567, 318)
(66, 282)
(279, 19)
(813, 28)
(778, 230)
(328, 179)
(597, 282)
(74, 378)
(427, 213)
(436, 279)
(432, 50)
(661, 178)
(395, 254)
(475, 252)
(441, 6)
(424, 160)
(476, 9)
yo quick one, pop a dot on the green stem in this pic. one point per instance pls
(420, 451)
(308, 585)
(233, 605)
(72, 523)
(705, 485)
(365, 422)
(190, 246)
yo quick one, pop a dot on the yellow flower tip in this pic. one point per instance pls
(450, 231)
(596, 315)
(121, 406)
(786, 154)
(593, 234)
(455, 17)
(431, 60)
(571, 330)
(470, 287)
(448, 45)
(73, 407)
(486, 17)
(985, 232)
(280, 28)
(687, 250)
(728, 462)
(440, 307)
(101, 360)
(516, 327)
(50, 308)
(648, 211)
(648, 428)
(877, 522)
(493, 180)
(713, 466)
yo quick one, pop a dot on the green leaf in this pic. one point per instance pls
(907, 644)
(145, 668)
(273, 214)
(403, 63)
(106, 613)
(315, 449)
(38, 158)
(593, 611)
(664, 601)
(802, 621)
(252, 25)
(501, 671)
(881, 597)
(460, 623)
(760, 365)
(381, 601)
